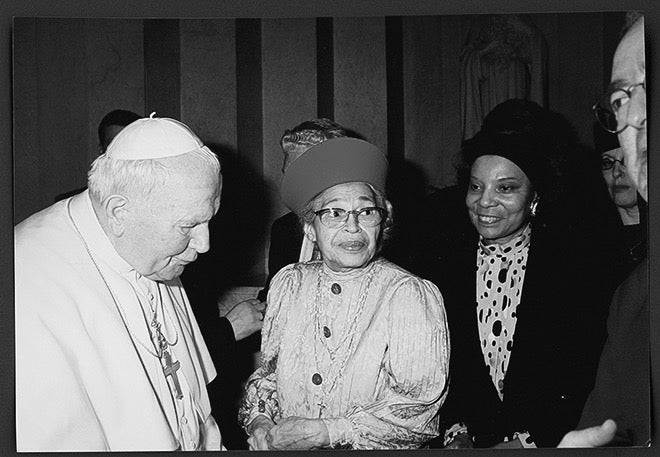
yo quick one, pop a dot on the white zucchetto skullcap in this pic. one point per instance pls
(153, 138)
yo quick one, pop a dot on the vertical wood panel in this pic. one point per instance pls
(432, 104)
(395, 89)
(582, 70)
(208, 80)
(246, 199)
(454, 32)
(62, 110)
(575, 67)
(325, 84)
(548, 24)
(360, 77)
(161, 65)
(422, 44)
(249, 90)
(116, 71)
(289, 91)
(26, 118)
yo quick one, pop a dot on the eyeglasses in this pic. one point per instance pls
(337, 217)
(610, 103)
(606, 163)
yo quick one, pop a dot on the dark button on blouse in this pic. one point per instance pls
(317, 379)
(335, 288)
(326, 332)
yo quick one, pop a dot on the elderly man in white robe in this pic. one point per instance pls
(109, 356)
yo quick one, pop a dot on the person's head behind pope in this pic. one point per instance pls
(113, 123)
(509, 170)
(308, 133)
(337, 189)
(154, 192)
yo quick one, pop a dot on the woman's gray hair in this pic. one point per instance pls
(307, 215)
(108, 176)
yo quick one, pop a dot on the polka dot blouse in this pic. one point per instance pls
(500, 277)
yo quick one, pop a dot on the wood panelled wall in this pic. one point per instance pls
(240, 82)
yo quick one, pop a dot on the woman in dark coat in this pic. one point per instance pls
(526, 288)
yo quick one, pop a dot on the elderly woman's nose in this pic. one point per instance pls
(352, 223)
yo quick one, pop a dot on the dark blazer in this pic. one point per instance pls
(559, 332)
(622, 390)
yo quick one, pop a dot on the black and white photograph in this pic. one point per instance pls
(384, 230)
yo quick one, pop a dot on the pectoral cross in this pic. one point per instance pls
(170, 370)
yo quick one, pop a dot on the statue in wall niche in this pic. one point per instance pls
(504, 57)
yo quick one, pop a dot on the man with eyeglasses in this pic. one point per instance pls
(621, 396)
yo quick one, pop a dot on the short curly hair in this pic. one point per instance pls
(310, 133)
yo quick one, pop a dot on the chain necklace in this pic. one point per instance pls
(349, 335)
(160, 338)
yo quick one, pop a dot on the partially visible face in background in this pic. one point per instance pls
(619, 185)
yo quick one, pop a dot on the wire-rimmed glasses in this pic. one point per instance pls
(607, 162)
(337, 217)
(611, 103)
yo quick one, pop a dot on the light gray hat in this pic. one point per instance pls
(335, 161)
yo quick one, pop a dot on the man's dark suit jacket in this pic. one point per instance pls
(622, 390)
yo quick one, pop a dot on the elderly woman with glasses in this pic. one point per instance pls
(355, 350)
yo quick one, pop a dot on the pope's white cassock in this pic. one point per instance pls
(90, 374)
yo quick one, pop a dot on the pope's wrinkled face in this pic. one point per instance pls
(498, 199)
(621, 189)
(167, 231)
(353, 245)
(629, 72)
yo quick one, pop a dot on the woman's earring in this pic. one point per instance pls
(533, 207)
